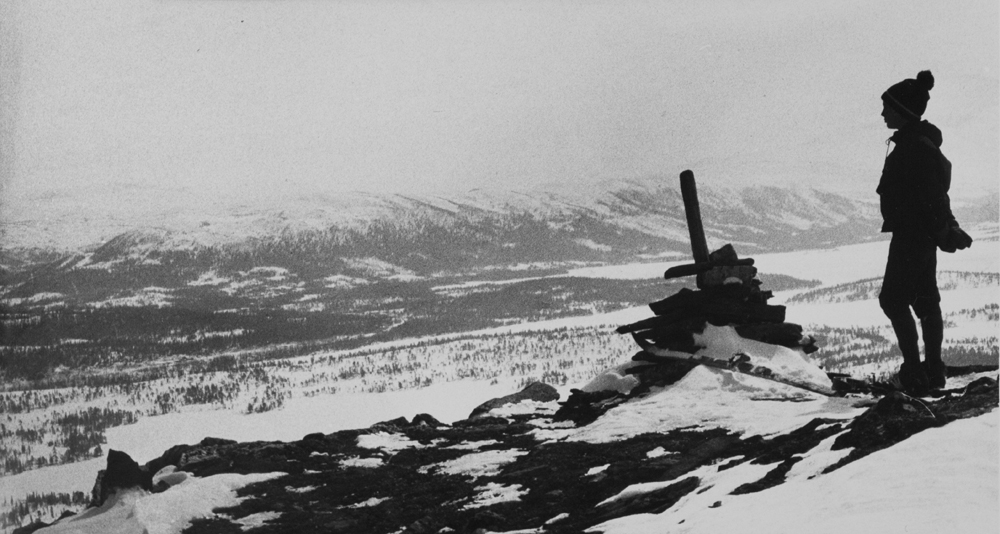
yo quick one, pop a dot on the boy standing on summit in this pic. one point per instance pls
(915, 209)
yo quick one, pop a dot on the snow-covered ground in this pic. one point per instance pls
(711, 398)
(901, 489)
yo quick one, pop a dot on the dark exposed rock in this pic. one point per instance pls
(981, 386)
(205, 461)
(653, 502)
(423, 419)
(772, 478)
(411, 490)
(844, 384)
(423, 525)
(392, 424)
(784, 334)
(485, 521)
(720, 275)
(171, 456)
(659, 375)
(95, 491)
(584, 407)
(677, 336)
(725, 255)
(216, 442)
(714, 305)
(412, 494)
(952, 371)
(799, 441)
(482, 420)
(122, 472)
(536, 391)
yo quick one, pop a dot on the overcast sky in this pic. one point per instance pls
(107, 102)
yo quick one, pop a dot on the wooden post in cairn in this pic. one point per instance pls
(699, 247)
(728, 294)
(710, 269)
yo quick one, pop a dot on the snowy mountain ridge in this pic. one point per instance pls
(651, 206)
(371, 238)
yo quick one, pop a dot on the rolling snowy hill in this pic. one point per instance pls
(625, 216)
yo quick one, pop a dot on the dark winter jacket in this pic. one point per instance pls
(915, 180)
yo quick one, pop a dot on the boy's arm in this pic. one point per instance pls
(927, 169)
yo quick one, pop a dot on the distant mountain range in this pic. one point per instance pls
(372, 236)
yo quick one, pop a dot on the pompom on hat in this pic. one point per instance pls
(909, 97)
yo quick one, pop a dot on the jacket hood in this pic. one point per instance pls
(920, 129)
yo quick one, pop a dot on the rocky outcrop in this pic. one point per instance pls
(122, 472)
(898, 416)
(502, 472)
(536, 391)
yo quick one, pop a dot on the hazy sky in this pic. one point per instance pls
(110, 103)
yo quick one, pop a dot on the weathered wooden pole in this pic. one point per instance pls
(699, 247)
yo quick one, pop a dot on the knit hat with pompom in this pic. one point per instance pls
(909, 97)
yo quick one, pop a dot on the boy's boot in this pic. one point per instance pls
(932, 326)
(913, 379)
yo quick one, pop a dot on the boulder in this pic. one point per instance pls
(424, 419)
(168, 477)
(391, 425)
(536, 391)
(216, 442)
(122, 472)
(171, 456)
(728, 274)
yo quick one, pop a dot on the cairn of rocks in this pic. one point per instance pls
(729, 293)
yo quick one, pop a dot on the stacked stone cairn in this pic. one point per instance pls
(728, 293)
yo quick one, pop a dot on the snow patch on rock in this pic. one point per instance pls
(722, 342)
(525, 407)
(139, 512)
(494, 493)
(472, 445)
(614, 379)
(713, 398)
(253, 521)
(475, 465)
(361, 462)
(869, 495)
(391, 443)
